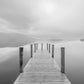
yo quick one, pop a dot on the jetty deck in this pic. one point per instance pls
(42, 69)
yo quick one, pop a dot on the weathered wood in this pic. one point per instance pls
(49, 48)
(31, 48)
(52, 51)
(63, 60)
(21, 59)
(35, 48)
(42, 69)
(41, 46)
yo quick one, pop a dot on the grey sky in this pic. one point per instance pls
(58, 18)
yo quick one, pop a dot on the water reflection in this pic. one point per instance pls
(74, 53)
(9, 70)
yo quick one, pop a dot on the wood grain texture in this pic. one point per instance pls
(42, 69)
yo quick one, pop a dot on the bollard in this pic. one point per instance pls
(63, 60)
(41, 46)
(21, 59)
(37, 46)
(34, 48)
(49, 48)
(31, 48)
(52, 51)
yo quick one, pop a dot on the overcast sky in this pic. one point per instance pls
(45, 18)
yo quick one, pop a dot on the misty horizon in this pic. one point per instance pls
(43, 18)
(58, 22)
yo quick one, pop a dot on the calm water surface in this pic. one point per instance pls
(9, 69)
(74, 55)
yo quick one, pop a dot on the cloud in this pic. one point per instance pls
(33, 17)
(5, 26)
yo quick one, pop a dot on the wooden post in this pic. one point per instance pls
(31, 48)
(42, 46)
(49, 48)
(34, 48)
(37, 46)
(52, 51)
(21, 59)
(63, 60)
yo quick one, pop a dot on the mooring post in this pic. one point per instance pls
(34, 48)
(62, 59)
(37, 46)
(21, 59)
(42, 46)
(31, 48)
(49, 48)
(53, 51)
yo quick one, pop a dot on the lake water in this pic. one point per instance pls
(9, 68)
(74, 55)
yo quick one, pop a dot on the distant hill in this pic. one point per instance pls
(54, 40)
(14, 40)
(81, 39)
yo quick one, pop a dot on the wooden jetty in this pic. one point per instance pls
(42, 69)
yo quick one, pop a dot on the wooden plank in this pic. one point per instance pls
(42, 83)
(42, 69)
